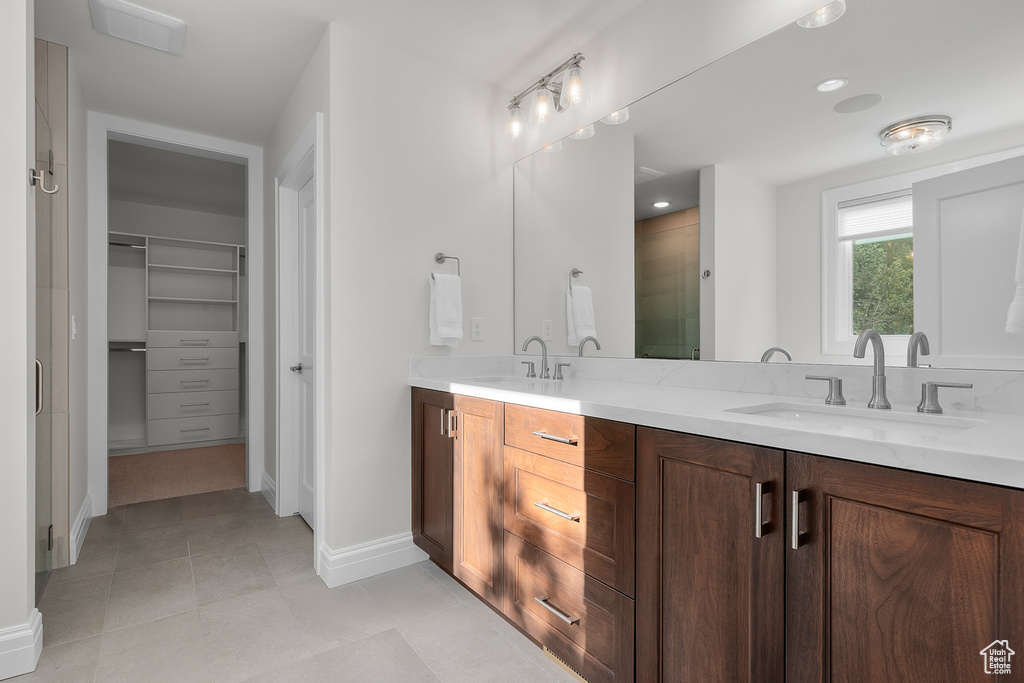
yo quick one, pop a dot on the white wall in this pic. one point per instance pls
(17, 273)
(574, 209)
(165, 221)
(311, 95)
(418, 166)
(742, 218)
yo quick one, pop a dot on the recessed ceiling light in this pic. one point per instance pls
(830, 84)
(823, 16)
(660, 205)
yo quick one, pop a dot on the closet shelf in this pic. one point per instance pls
(190, 269)
(180, 300)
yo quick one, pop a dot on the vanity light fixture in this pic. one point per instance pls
(617, 117)
(915, 135)
(660, 205)
(831, 84)
(555, 146)
(557, 90)
(823, 16)
(583, 133)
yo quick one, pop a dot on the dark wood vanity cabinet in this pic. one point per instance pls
(432, 456)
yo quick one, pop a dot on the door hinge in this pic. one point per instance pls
(49, 538)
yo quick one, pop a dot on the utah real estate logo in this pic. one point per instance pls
(997, 657)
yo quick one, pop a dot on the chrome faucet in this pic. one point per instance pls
(767, 355)
(917, 340)
(878, 399)
(544, 372)
(597, 344)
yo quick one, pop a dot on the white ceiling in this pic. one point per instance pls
(243, 57)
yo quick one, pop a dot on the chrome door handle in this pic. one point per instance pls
(39, 386)
(543, 600)
(760, 526)
(296, 368)
(796, 536)
(572, 441)
(543, 505)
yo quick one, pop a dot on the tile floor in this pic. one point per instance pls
(215, 588)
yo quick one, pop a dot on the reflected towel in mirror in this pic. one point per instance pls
(445, 309)
(579, 314)
(1015, 316)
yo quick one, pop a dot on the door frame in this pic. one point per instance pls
(104, 127)
(304, 161)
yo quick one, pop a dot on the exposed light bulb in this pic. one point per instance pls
(823, 16)
(617, 117)
(583, 133)
(573, 86)
(515, 125)
(543, 106)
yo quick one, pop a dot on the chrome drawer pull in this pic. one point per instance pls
(194, 405)
(198, 429)
(195, 381)
(543, 600)
(560, 439)
(543, 505)
(196, 342)
(195, 360)
(797, 537)
(760, 526)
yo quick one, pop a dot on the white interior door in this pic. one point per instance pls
(306, 328)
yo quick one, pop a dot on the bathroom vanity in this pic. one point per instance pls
(654, 533)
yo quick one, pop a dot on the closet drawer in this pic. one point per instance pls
(166, 381)
(191, 359)
(581, 517)
(596, 444)
(584, 622)
(191, 404)
(186, 429)
(171, 338)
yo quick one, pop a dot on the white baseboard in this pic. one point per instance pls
(80, 528)
(269, 489)
(20, 646)
(338, 567)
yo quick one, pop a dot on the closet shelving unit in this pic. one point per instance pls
(190, 389)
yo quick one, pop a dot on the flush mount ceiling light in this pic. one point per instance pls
(915, 135)
(617, 117)
(660, 205)
(138, 25)
(823, 16)
(583, 133)
(831, 84)
(559, 89)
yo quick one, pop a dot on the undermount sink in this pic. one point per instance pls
(860, 420)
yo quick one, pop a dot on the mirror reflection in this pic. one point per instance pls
(752, 204)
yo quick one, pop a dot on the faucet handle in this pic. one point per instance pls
(930, 395)
(530, 370)
(558, 370)
(835, 389)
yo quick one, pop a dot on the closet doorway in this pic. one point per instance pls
(175, 346)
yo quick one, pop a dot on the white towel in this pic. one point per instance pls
(1015, 316)
(579, 314)
(445, 309)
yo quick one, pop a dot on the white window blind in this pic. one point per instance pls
(889, 214)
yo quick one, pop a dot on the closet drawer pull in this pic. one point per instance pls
(543, 505)
(195, 342)
(195, 405)
(572, 441)
(195, 381)
(203, 361)
(197, 429)
(543, 600)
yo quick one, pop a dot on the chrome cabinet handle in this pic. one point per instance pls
(39, 386)
(196, 342)
(796, 536)
(543, 505)
(572, 441)
(194, 405)
(543, 600)
(453, 424)
(195, 360)
(444, 421)
(760, 526)
(197, 429)
(195, 381)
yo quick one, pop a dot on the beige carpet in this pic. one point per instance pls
(167, 474)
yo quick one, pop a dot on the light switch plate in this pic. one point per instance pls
(478, 329)
(546, 330)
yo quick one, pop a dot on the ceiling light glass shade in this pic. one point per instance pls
(572, 88)
(617, 117)
(583, 133)
(823, 16)
(555, 146)
(516, 125)
(543, 109)
(915, 135)
(831, 84)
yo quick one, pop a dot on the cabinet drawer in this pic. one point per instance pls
(584, 622)
(187, 429)
(165, 381)
(172, 338)
(596, 444)
(582, 517)
(191, 404)
(191, 359)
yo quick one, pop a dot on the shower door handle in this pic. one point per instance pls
(39, 386)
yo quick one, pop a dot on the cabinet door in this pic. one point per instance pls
(710, 575)
(432, 475)
(479, 438)
(899, 576)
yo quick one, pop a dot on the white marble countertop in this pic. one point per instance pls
(985, 447)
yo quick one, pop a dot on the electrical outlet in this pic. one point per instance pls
(546, 330)
(478, 329)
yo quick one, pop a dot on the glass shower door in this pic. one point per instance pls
(44, 355)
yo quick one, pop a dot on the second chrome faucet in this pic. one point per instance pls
(544, 372)
(878, 398)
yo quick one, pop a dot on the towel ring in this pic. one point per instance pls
(575, 272)
(441, 257)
